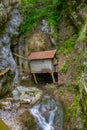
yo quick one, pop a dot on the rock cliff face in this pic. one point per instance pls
(10, 21)
(71, 23)
(40, 38)
(72, 15)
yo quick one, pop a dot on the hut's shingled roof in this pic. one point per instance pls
(42, 55)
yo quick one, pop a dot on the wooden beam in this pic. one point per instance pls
(4, 71)
(35, 78)
(20, 56)
(53, 77)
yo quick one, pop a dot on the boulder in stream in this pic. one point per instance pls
(27, 95)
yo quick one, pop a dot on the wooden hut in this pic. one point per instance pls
(43, 62)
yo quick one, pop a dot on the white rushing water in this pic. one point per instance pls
(48, 114)
(42, 121)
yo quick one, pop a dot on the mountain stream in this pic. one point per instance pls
(48, 114)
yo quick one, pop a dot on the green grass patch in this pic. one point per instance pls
(64, 68)
(33, 11)
(68, 44)
(82, 34)
(74, 109)
(66, 51)
(61, 91)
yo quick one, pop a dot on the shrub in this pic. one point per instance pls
(63, 69)
(74, 108)
(82, 34)
(69, 43)
(66, 51)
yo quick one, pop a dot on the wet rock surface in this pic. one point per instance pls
(23, 121)
(67, 99)
(27, 95)
(14, 110)
(48, 114)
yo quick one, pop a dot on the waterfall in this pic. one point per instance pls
(52, 114)
(46, 113)
(42, 121)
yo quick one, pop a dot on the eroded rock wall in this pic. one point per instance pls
(9, 23)
(39, 39)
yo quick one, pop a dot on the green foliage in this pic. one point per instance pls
(7, 83)
(85, 68)
(61, 91)
(83, 104)
(34, 10)
(82, 34)
(74, 109)
(69, 43)
(60, 51)
(85, 53)
(66, 51)
(63, 69)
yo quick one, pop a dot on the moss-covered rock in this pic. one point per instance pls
(6, 82)
(22, 122)
(29, 95)
(27, 121)
(71, 106)
(3, 15)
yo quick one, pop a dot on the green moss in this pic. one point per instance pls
(63, 68)
(83, 105)
(61, 91)
(27, 121)
(27, 82)
(3, 126)
(6, 84)
(33, 11)
(85, 53)
(82, 34)
(66, 51)
(68, 44)
(74, 108)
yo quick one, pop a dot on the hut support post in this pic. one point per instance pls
(35, 78)
(53, 77)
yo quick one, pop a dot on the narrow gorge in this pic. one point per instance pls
(28, 26)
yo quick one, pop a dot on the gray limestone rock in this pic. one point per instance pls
(9, 32)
